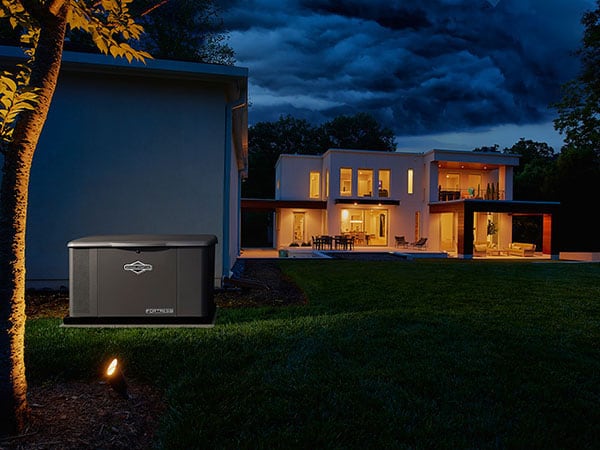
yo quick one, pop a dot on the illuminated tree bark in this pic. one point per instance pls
(13, 215)
(107, 22)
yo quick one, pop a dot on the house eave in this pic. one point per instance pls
(271, 204)
(500, 206)
(366, 201)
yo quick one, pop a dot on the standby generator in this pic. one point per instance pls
(141, 280)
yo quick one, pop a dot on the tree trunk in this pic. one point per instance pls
(13, 214)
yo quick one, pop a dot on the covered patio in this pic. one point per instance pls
(465, 210)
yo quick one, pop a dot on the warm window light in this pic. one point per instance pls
(116, 379)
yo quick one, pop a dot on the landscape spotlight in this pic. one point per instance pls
(116, 379)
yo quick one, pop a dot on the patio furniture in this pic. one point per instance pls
(480, 248)
(521, 249)
(359, 237)
(350, 240)
(317, 243)
(496, 251)
(420, 244)
(327, 242)
(401, 241)
(344, 242)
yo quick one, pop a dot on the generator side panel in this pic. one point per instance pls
(83, 282)
(195, 281)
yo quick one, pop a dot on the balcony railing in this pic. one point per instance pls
(445, 195)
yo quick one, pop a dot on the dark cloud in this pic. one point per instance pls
(420, 67)
(393, 16)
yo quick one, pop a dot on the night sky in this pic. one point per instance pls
(441, 73)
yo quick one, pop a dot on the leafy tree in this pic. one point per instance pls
(268, 140)
(576, 179)
(183, 30)
(488, 149)
(578, 165)
(579, 109)
(26, 93)
(533, 178)
(187, 30)
(361, 131)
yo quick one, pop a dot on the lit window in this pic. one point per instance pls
(410, 176)
(345, 182)
(315, 185)
(365, 182)
(327, 183)
(384, 183)
(452, 181)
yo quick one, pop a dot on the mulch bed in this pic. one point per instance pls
(90, 415)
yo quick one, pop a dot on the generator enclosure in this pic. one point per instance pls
(141, 279)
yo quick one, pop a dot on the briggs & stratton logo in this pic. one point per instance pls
(137, 267)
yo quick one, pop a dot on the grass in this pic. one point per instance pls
(422, 354)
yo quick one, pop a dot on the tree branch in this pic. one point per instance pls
(54, 6)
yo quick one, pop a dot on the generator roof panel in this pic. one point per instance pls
(144, 240)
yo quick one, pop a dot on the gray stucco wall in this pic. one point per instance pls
(125, 155)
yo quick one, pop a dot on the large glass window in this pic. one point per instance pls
(474, 189)
(345, 182)
(384, 183)
(365, 182)
(367, 226)
(452, 182)
(315, 185)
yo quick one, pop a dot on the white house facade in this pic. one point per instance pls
(155, 148)
(448, 197)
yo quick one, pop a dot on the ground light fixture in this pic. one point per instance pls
(116, 379)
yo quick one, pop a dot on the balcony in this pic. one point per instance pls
(491, 193)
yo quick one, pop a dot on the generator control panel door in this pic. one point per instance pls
(137, 282)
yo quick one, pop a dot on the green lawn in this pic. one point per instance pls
(421, 354)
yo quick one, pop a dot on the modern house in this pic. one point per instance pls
(155, 148)
(455, 199)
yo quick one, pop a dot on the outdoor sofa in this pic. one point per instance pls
(521, 249)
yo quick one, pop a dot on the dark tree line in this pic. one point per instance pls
(268, 140)
(570, 176)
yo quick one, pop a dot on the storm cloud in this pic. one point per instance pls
(420, 67)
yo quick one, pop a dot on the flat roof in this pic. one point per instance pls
(99, 63)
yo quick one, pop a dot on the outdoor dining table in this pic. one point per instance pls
(322, 242)
(343, 242)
